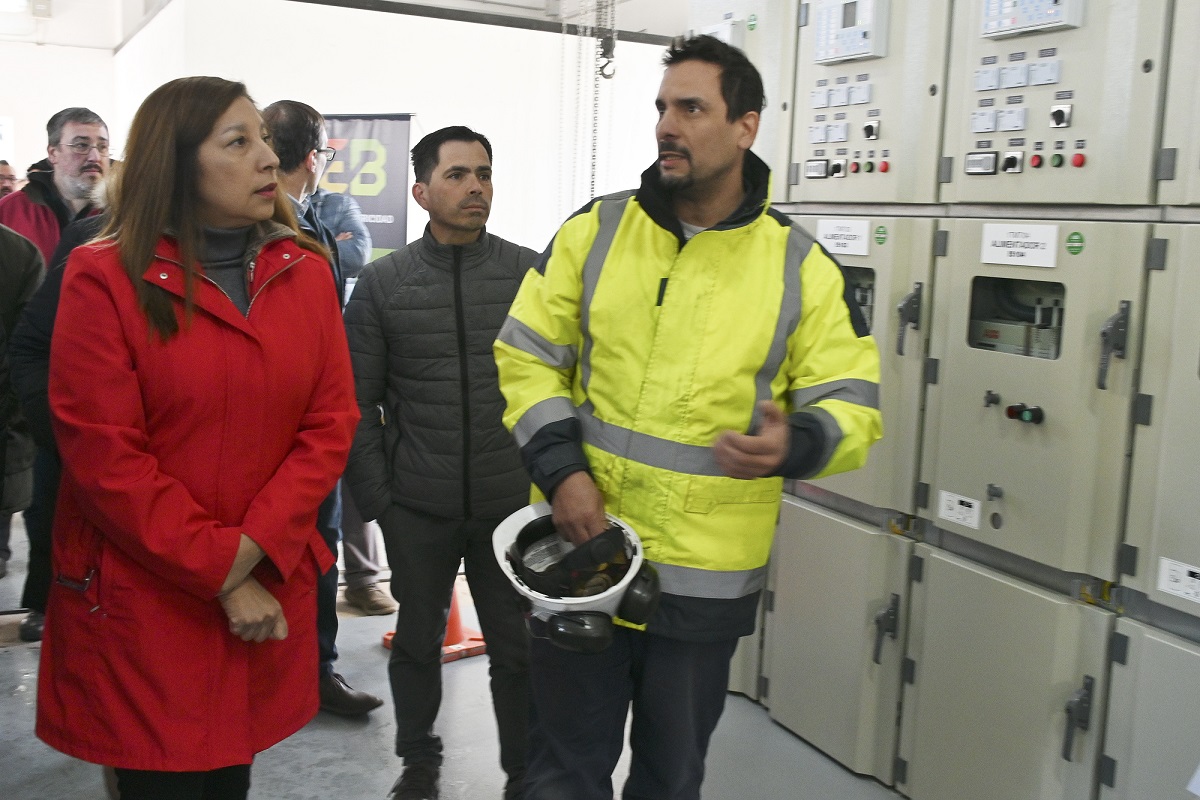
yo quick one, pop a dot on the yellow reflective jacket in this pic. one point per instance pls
(627, 352)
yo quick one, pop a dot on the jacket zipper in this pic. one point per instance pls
(268, 280)
(460, 318)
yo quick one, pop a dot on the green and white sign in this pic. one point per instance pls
(1075, 243)
(752, 23)
(880, 235)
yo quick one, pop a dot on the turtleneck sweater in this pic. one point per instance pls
(223, 256)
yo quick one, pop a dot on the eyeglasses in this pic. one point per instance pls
(328, 152)
(83, 148)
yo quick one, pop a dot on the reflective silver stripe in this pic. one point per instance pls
(798, 245)
(851, 390)
(610, 212)
(540, 414)
(690, 459)
(707, 583)
(527, 340)
(833, 437)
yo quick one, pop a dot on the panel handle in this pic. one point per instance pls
(908, 312)
(887, 621)
(1079, 714)
(1113, 337)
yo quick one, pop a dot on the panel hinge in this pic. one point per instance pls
(1108, 772)
(794, 174)
(1143, 406)
(921, 495)
(946, 169)
(1164, 170)
(1156, 253)
(931, 371)
(900, 767)
(908, 670)
(764, 683)
(916, 569)
(1118, 648)
(769, 600)
(941, 243)
(1127, 557)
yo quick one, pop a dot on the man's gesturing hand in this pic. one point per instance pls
(755, 455)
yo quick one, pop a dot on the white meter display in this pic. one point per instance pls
(847, 30)
(1012, 17)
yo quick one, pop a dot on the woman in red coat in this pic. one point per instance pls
(204, 406)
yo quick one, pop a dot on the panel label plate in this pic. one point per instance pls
(1179, 579)
(848, 236)
(958, 509)
(1020, 245)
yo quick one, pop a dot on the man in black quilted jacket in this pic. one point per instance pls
(431, 460)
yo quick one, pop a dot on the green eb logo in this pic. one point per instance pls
(363, 162)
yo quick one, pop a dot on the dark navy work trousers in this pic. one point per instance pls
(580, 704)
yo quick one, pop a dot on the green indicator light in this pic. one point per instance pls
(1056, 160)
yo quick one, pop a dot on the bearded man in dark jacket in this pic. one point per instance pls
(60, 186)
(431, 460)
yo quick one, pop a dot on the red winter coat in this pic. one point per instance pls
(170, 451)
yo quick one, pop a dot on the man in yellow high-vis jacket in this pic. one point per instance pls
(677, 352)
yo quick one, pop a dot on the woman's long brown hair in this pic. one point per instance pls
(157, 191)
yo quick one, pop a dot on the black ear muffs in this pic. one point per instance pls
(641, 596)
(580, 631)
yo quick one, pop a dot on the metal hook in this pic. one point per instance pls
(607, 68)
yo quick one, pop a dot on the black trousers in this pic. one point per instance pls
(580, 704)
(424, 552)
(329, 523)
(227, 783)
(39, 521)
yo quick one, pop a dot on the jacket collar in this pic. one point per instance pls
(442, 255)
(657, 201)
(41, 190)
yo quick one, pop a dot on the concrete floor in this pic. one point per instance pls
(751, 757)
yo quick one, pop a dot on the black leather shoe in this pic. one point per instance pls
(30, 629)
(417, 782)
(338, 698)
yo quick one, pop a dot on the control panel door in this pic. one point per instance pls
(835, 636)
(870, 90)
(889, 263)
(1164, 502)
(1150, 746)
(1055, 101)
(1027, 420)
(1004, 688)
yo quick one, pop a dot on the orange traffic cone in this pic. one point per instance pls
(459, 643)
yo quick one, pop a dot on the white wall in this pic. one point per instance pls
(509, 84)
(40, 80)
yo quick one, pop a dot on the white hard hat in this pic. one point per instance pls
(526, 543)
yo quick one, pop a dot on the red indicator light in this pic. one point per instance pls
(854, 166)
(1078, 160)
(1035, 161)
(884, 166)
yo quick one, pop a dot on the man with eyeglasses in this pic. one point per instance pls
(60, 186)
(299, 138)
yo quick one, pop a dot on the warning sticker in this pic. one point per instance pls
(1179, 579)
(961, 510)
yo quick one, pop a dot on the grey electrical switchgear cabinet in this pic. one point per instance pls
(1152, 741)
(1179, 164)
(1030, 387)
(889, 263)
(1164, 499)
(870, 92)
(834, 640)
(1055, 101)
(1004, 687)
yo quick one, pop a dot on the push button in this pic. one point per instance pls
(1035, 161)
(1078, 160)
(1056, 160)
